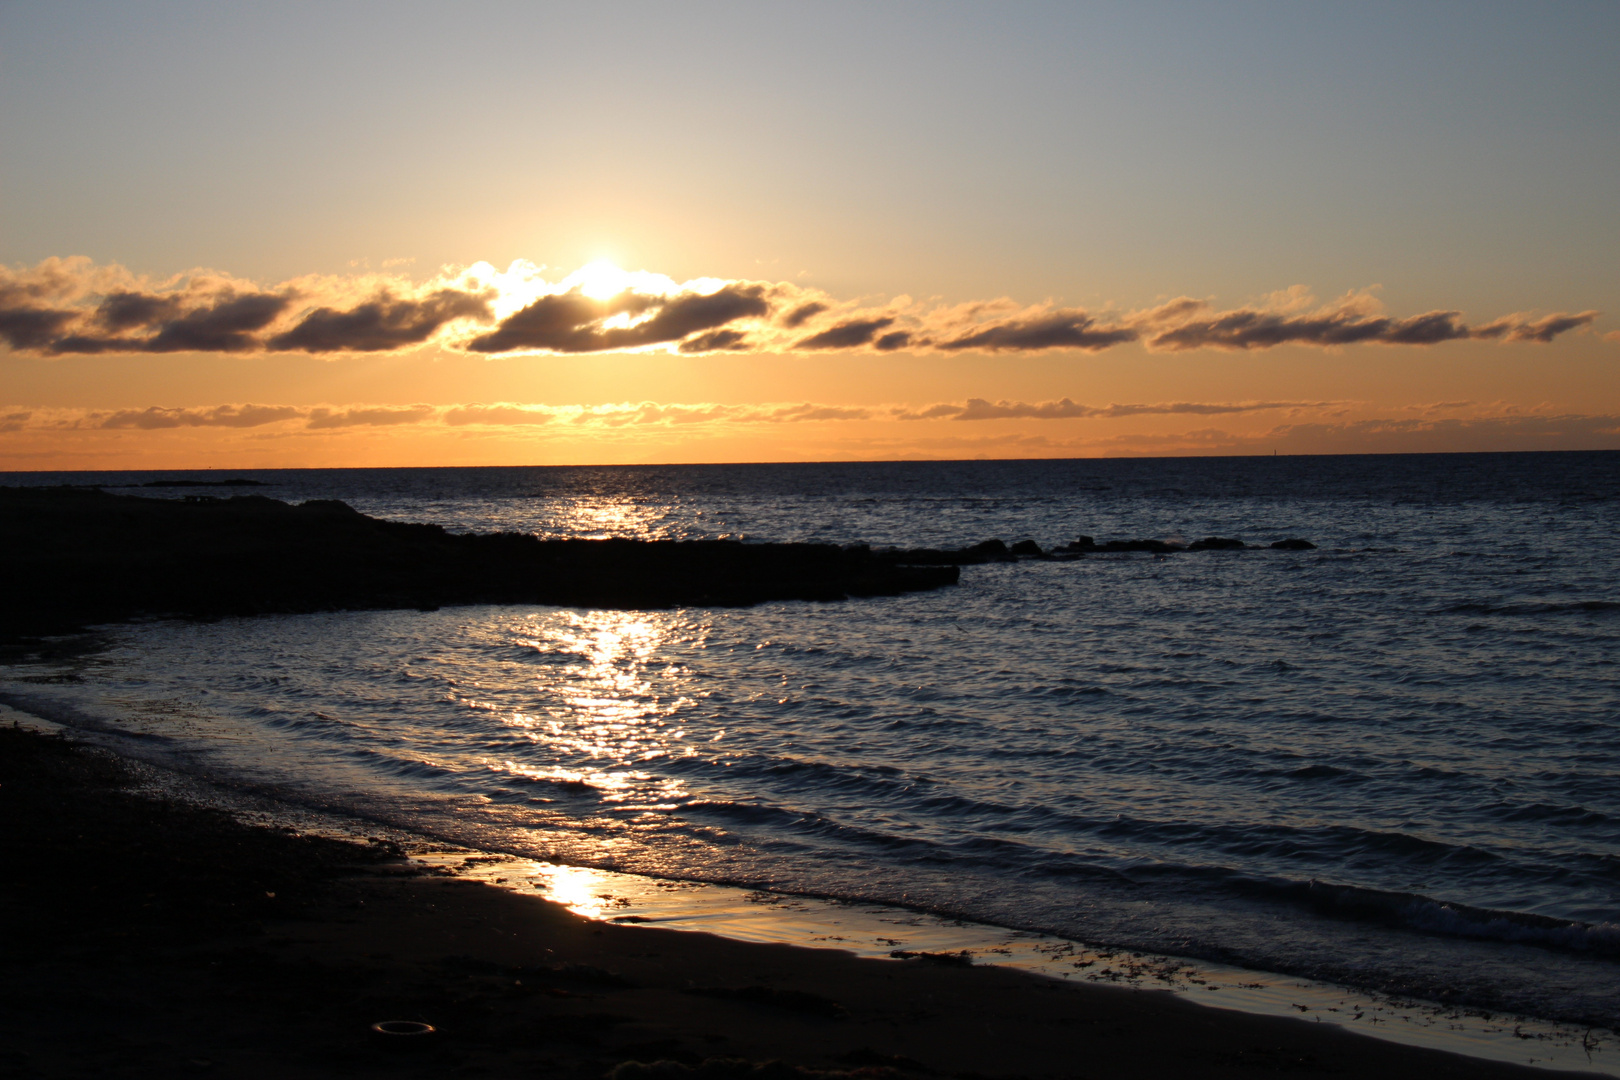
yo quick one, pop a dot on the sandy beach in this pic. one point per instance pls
(154, 938)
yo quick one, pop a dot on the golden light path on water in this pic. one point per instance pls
(603, 711)
(611, 709)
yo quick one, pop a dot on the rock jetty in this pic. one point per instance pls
(75, 556)
(70, 557)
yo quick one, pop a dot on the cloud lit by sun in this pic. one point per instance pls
(66, 307)
(602, 280)
(598, 279)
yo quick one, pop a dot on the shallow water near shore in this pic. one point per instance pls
(1388, 763)
(897, 934)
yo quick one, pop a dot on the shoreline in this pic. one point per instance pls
(883, 931)
(416, 907)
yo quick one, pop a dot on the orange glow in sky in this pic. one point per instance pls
(896, 233)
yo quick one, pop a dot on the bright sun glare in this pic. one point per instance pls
(600, 279)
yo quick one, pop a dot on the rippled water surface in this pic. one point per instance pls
(1393, 761)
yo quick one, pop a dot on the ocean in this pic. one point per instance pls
(1391, 763)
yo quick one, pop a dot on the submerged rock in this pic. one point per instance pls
(1086, 546)
(983, 552)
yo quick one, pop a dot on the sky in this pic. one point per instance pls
(366, 234)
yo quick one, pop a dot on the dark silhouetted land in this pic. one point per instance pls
(74, 556)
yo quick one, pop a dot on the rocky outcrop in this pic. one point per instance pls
(76, 556)
(71, 557)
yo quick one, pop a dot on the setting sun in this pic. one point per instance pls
(599, 280)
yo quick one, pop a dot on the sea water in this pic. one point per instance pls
(1392, 762)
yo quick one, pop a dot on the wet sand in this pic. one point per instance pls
(153, 938)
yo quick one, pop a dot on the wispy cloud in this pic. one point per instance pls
(1509, 430)
(961, 429)
(373, 416)
(618, 414)
(229, 416)
(73, 306)
(980, 409)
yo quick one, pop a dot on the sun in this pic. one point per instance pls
(600, 279)
(603, 280)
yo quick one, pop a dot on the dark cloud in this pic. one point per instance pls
(560, 317)
(716, 341)
(384, 323)
(571, 322)
(1544, 330)
(228, 324)
(225, 326)
(803, 313)
(32, 328)
(690, 313)
(27, 318)
(1263, 330)
(847, 335)
(1054, 330)
(122, 311)
(66, 306)
(1430, 329)
(1251, 329)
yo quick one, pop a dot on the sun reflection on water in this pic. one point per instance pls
(601, 518)
(578, 888)
(606, 711)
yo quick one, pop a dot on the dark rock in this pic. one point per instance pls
(990, 549)
(1085, 545)
(1216, 543)
(1156, 547)
(1294, 544)
(72, 557)
(1028, 548)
